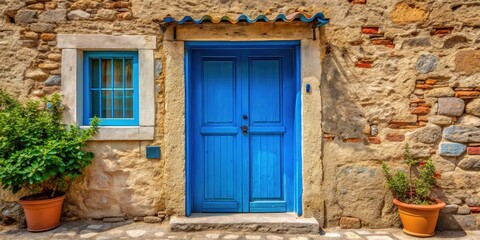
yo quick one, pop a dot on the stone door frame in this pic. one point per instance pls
(175, 102)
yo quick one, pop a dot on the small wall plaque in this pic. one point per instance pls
(153, 152)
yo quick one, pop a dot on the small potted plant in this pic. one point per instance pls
(417, 207)
(40, 156)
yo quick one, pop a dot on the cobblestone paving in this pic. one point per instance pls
(139, 230)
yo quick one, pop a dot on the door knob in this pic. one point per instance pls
(244, 130)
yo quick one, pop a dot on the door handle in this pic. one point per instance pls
(244, 130)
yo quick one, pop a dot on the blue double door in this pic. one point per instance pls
(243, 113)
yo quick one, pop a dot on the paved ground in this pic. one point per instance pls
(139, 230)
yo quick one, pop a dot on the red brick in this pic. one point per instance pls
(363, 63)
(417, 101)
(423, 118)
(397, 126)
(48, 36)
(475, 209)
(473, 150)
(374, 140)
(385, 42)
(467, 94)
(420, 110)
(425, 105)
(423, 86)
(431, 81)
(370, 30)
(328, 138)
(121, 4)
(356, 42)
(358, 1)
(422, 124)
(393, 137)
(352, 140)
(464, 89)
(441, 30)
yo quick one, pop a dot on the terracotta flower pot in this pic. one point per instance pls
(419, 220)
(43, 215)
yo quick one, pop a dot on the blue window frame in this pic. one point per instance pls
(111, 88)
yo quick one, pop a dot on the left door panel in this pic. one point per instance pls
(217, 142)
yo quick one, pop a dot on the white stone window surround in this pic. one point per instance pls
(73, 46)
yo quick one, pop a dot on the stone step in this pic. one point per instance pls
(246, 222)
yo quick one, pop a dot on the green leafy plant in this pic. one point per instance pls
(37, 152)
(416, 187)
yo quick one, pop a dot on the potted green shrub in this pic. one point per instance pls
(40, 156)
(417, 207)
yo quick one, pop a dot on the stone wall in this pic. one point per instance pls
(393, 72)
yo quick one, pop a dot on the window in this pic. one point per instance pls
(130, 121)
(111, 88)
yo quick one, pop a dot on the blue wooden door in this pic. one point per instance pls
(242, 126)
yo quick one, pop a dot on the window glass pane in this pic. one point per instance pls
(129, 104)
(106, 104)
(94, 68)
(118, 72)
(95, 103)
(128, 73)
(118, 104)
(106, 73)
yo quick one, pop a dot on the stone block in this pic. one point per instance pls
(457, 222)
(84, 4)
(468, 61)
(440, 120)
(53, 16)
(26, 16)
(452, 149)
(49, 66)
(473, 201)
(11, 212)
(451, 106)
(417, 42)
(36, 74)
(42, 27)
(454, 41)
(405, 13)
(350, 223)
(37, 6)
(463, 134)
(470, 163)
(463, 210)
(426, 63)
(152, 219)
(158, 67)
(54, 80)
(450, 208)
(469, 120)
(106, 14)
(428, 134)
(78, 15)
(473, 107)
(441, 92)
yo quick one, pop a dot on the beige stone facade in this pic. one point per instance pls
(383, 73)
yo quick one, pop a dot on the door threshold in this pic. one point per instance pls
(245, 222)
